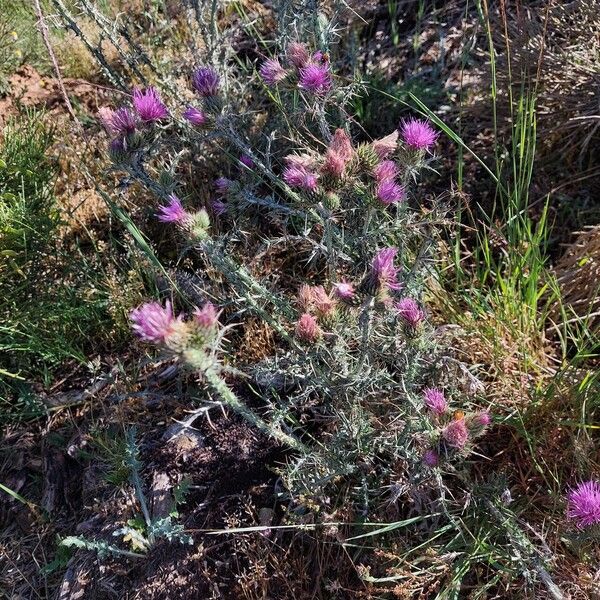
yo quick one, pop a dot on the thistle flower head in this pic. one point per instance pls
(148, 105)
(583, 504)
(344, 291)
(431, 458)
(247, 161)
(390, 192)
(219, 207)
(154, 323)
(222, 185)
(386, 145)
(297, 54)
(481, 419)
(272, 72)
(300, 161)
(341, 144)
(323, 304)
(300, 177)
(410, 312)
(194, 116)
(315, 78)
(206, 317)
(383, 271)
(386, 170)
(435, 401)
(205, 81)
(307, 329)
(121, 121)
(456, 433)
(173, 212)
(418, 134)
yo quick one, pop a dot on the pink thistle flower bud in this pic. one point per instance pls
(435, 401)
(386, 146)
(410, 312)
(307, 329)
(344, 291)
(334, 164)
(341, 144)
(300, 177)
(297, 54)
(322, 302)
(247, 161)
(456, 434)
(148, 105)
(385, 171)
(272, 72)
(194, 116)
(481, 419)
(384, 276)
(205, 81)
(418, 134)
(121, 121)
(222, 185)
(390, 192)
(153, 323)
(207, 316)
(431, 458)
(173, 212)
(305, 297)
(315, 78)
(583, 504)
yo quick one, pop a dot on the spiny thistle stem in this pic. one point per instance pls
(365, 326)
(224, 392)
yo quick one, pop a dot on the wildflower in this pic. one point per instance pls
(418, 134)
(315, 78)
(305, 297)
(456, 433)
(344, 291)
(195, 116)
(385, 146)
(385, 171)
(584, 504)
(173, 212)
(148, 105)
(222, 185)
(117, 150)
(383, 273)
(247, 161)
(300, 177)
(390, 192)
(219, 207)
(338, 154)
(322, 302)
(153, 323)
(205, 81)
(431, 458)
(307, 328)
(297, 54)
(206, 317)
(120, 121)
(435, 401)
(481, 419)
(410, 312)
(272, 72)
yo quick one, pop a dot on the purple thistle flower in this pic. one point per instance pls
(315, 78)
(247, 161)
(205, 81)
(207, 316)
(418, 134)
(481, 419)
(300, 177)
(390, 192)
(410, 312)
(297, 54)
(272, 72)
(219, 207)
(222, 185)
(456, 434)
(120, 121)
(383, 270)
(385, 171)
(344, 290)
(435, 401)
(307, 328)
(431, 458)
(194, 116)
(173, 212)
(584, 504)
(148, 105)
(385, 146)
(153, 323)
